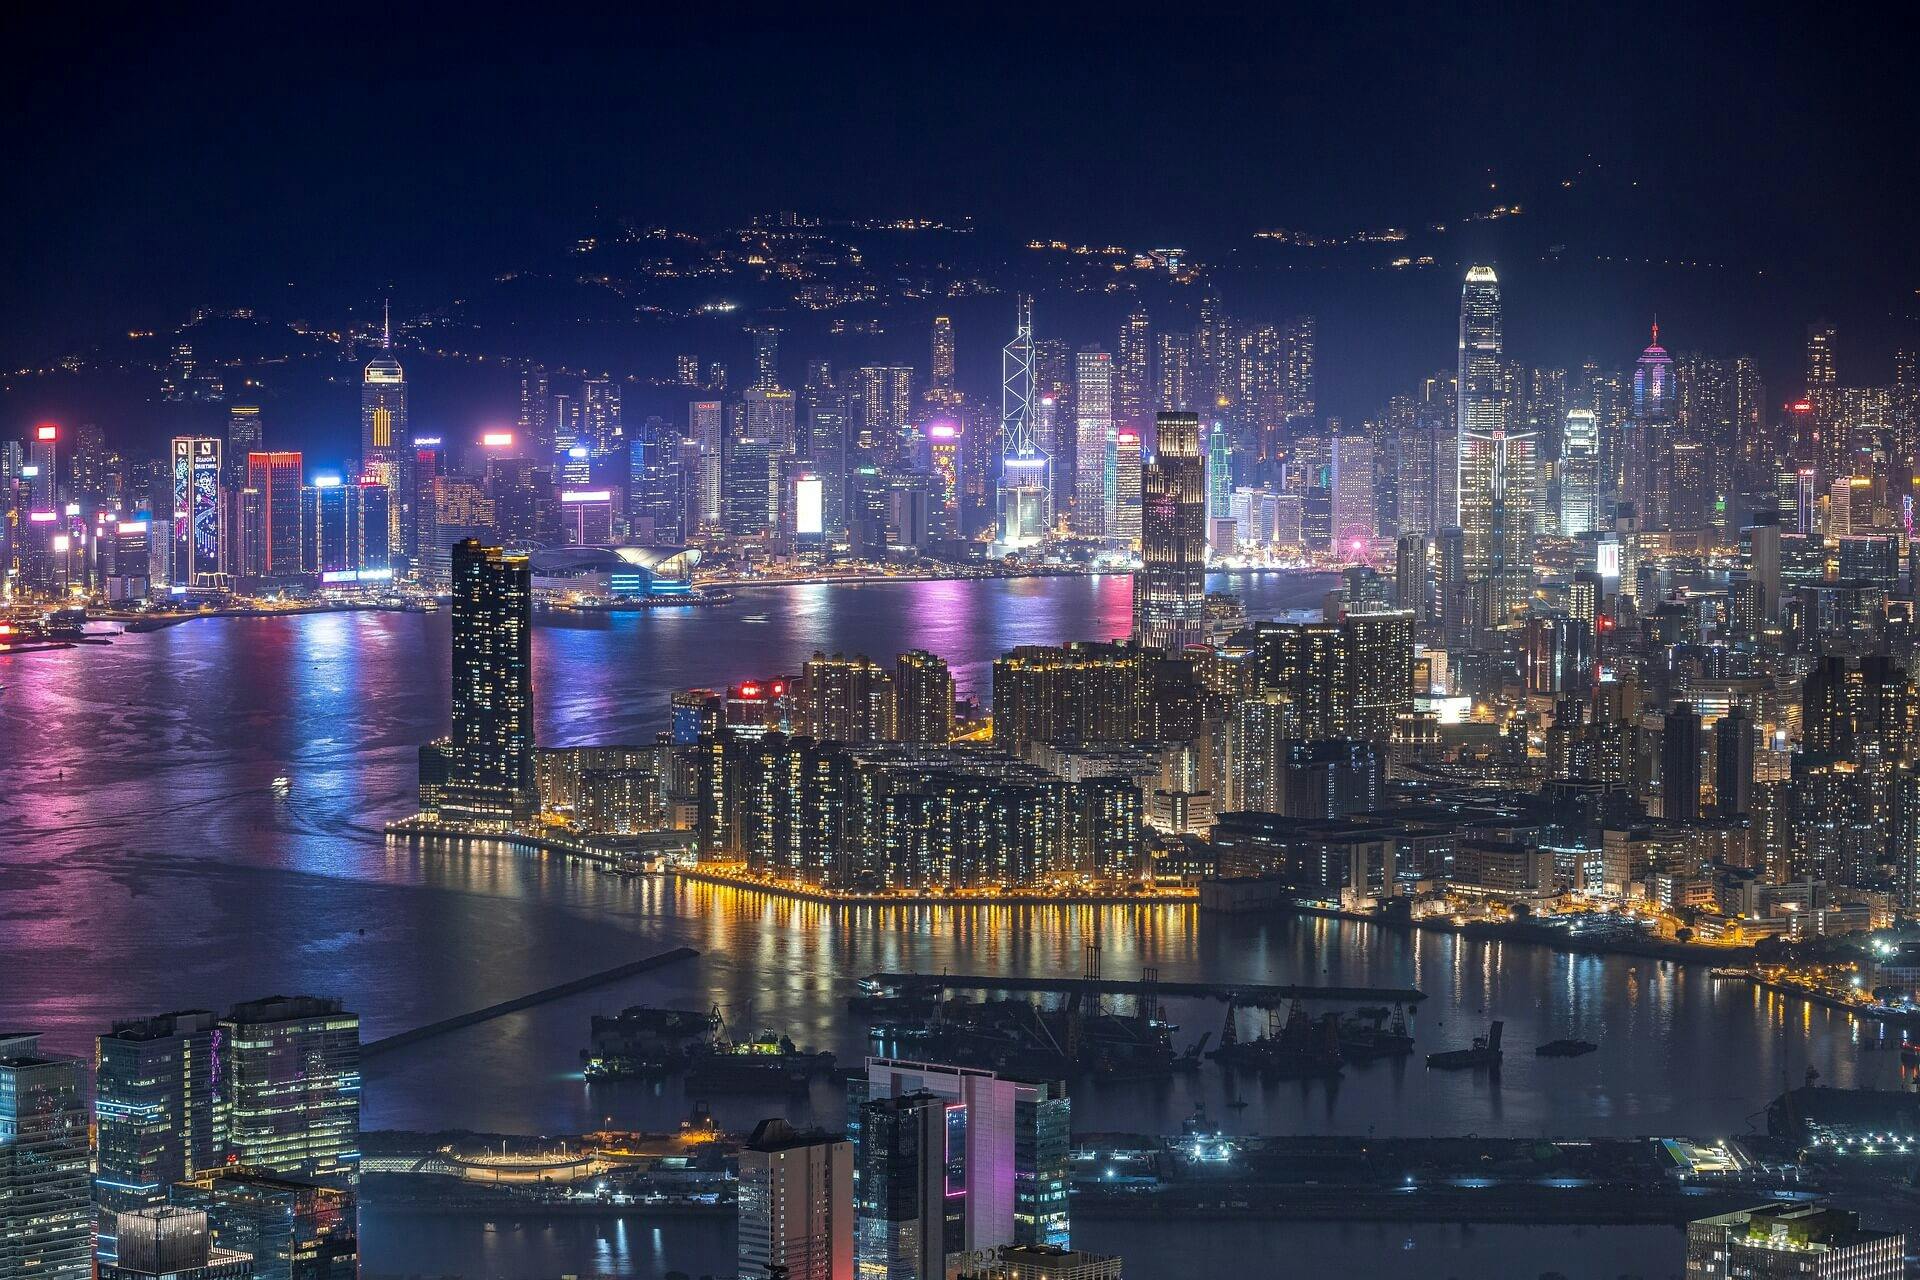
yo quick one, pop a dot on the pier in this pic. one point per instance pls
(401, 1039)
(1253, 994)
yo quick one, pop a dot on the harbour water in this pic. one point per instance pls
(147, 861)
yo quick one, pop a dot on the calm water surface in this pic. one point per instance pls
(146, 864)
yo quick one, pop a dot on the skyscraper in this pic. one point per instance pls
(1496, 466)
(199, 514)
(1353, 516)
(43, 455)
(1026, 471)
(1093, 429)
(168, 1243)
(45, 1211)
(796, 1204)
(940, 365)
(276, 478)
(1121, 487)
(1133, 370)
(490, 763)
(291, 1088)
(905, 1224)
(1170, 590)
(384, 435)
(923, 695)
(766, 356)
(157, 1110)
(1579, 474)
(535, 421)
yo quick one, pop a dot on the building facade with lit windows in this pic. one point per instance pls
(291, 1088)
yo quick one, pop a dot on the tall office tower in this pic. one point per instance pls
(1484, 464)
(883, 410)
(1579, 474)
(751, 484)
(1831, 437)
(1219, 472)
(293, 1230)
(1302, 381)
(1733, 739)
(1792, 1239)
(1170, 590)
(1093, 425)
(46, 1219)
(199, 515)
(166, 1242)
(276, 478)
(908, 1213)
(824, 408)
(1132, 367)
(244, 435)
(429, 465)
(923, 698)
(940, 363)
(844, 699)
(1173, 386)
(766, 355)
(686, 370)
(796, 1204)
(1352, 485)
(1006, 1146)
(535, 421)
(291, 1087)
(1648, 435)
(1497, 478)
(157, 1110)
(1026, 471)
(43, 456)
(490, 762)
(600, 423)
(768, 413)
(93, 473)
(706, 427)
(1412, 464)
(656, 486)
(1121, 488)
(1688, 481)
(1412, 584)
(384, 437)
(1680, 767)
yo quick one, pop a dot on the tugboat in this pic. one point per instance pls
(1565, 1048)
(1485, 1052)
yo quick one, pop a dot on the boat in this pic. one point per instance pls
(1484, 1053)
(768, 1063)
(282, 785)
(1363, 1038)
(641, 1042)
(1729, 975)
(1301, 1048)
(1565, 1048)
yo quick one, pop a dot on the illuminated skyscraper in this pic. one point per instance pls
(766, 356)
(275, 552)
(535, 421)
(1579, 473)
(384, 437)
(157, 1110)
(45, 1211)
(941, 364)
(1170, 589)
(1495, 467)
(1133, 372)
(923, 698)
(1122, 487)
(1219, 472)
(1093, 429)
(44, 458)
(1647, 438)
(1353, 517)
(882, 409)
(199, 515)
(600, 422)
(490, 755)
(291, 1086)
(706, 427)
(796, 1204)
(1026, 472)
(243, 439)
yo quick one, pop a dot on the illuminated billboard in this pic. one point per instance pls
(808, 506)
(196, 507)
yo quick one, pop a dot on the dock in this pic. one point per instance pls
(401, 1039)
(1249, 994)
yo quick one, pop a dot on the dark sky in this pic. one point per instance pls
(174, 156)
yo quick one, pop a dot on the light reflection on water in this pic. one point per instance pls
(145, 863)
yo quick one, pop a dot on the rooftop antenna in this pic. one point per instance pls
(386, 325)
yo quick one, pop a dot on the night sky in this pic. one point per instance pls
(165, 159)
